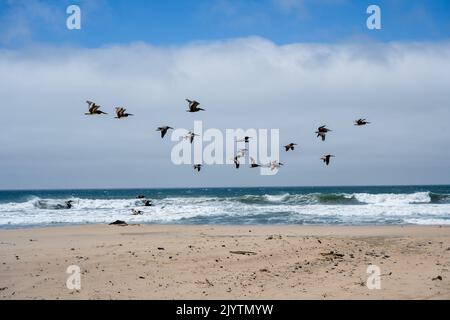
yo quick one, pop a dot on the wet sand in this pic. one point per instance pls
(225, 262)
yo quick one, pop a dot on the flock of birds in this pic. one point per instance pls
(193, 106)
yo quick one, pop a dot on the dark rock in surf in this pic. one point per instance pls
(118, 223)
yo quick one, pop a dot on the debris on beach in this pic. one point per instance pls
(246, 253)
(437, 278)
(332, 255)
(209, 283)
(272, 237)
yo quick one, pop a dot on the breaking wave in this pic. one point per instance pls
(287, 208)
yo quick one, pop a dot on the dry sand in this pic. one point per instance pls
(196, 262)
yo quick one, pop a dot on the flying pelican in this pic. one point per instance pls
(236, 161)
(254, 164)
(93, 109)
(193, 106)
(148, 203)
(190, 136)
(163, 130)
(290, 146)
(246, 139)
(326, 158)
(120, 113)
(361, 122)
(275, 165)
(197, 167)
(322, 132)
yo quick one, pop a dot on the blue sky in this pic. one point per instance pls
(173, 22)
(250, 63)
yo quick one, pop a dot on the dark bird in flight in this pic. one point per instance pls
(69, 204)
(322, 132)
(254, 164)
(193, 106)
(197, 167)
(236, 161)
(361, 122)
(93, 109)
(327, 158)
(120, 113)
(163, 130)
(147, 203)
(190, 136)
(290, 146)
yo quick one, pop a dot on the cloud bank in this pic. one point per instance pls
(402, 88)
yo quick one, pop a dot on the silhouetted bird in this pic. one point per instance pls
(190, 136)
(148, 203)
(236, 161)
(69, 204)
(163, 130)
(361, 122)
(322, 132)
(326, 158)
(290, 146)
(254, 164)
(193, 106)
(120, 113)
(197, 167)
(93, 109)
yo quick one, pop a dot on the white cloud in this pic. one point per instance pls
(46, 141)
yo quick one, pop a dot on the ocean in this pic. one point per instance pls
(379, 205)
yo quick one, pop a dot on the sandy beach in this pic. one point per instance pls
(225, 262)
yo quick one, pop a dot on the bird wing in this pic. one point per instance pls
(90, 104)
(195, 104)
(163, 132)
(119, 111)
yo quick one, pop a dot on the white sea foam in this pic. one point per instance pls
(415, 208)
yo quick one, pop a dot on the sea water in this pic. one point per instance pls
(380, 205)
